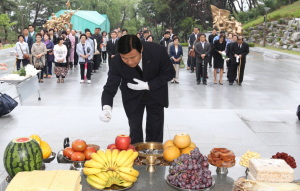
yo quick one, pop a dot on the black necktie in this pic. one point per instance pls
(139, 70)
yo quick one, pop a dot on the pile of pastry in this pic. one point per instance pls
(221, 157)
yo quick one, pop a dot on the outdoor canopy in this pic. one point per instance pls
(87, 19)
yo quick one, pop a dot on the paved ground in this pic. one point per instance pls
(259, 116)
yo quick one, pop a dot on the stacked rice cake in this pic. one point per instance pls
(66, 180)
(17, 183)
(271, 170)
(40, 180)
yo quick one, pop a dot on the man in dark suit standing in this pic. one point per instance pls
(239, 51)
(142, 70)
(97, 58)
(229, 55)
(28, 39)
(192, 38)
(202, 50)
(111, 47)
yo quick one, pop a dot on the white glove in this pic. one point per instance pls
(237, 58)
(141, 85)
(105, 115)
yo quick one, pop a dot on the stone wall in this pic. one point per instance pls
(283, 34)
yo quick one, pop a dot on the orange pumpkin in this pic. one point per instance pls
(37, 138)
(46, 149)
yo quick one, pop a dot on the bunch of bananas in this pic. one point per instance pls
(111, 167)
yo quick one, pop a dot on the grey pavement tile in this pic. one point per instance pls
(269, 127)
(279, 138)
(259, 117)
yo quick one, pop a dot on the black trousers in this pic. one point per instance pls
(154, 123)
(193, 63)
(104, 55)
(109, 60)
(211, 54)
(228, 65)
(24, 62)
(89, 70)
(75, 58)
(189, 59)
(96, 61)
(199, 71)
(233, 70)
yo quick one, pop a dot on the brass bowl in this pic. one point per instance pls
(148, 145)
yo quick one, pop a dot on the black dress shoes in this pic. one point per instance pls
(230, 83)
(198, 82)
(192, 71)
(240, 84)
(210, 66)
(204, 83)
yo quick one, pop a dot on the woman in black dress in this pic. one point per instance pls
(219, 47)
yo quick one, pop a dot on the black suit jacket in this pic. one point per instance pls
(199, 51)
(111, 48)
(228, 52)
(143, 40)
(157, 71)
(244, 51)
(98, 40)
(192, 39)
(29, 42)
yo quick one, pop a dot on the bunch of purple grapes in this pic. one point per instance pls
(191, 171)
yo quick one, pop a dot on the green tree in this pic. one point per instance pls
(5, 23)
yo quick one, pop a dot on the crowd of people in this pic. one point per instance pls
(68, 49)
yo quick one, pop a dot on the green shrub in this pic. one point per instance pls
(278, 39)
(255, 37)
(269, 24)
(280, 43)
(295, 46)
(295, 28)
(274, 25)
(280, 21)
(280, 32)
(184, 44)
(251, 44)
(246, 33)
(272, 34)
(261, 33)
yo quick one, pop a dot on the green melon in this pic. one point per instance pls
(22, 154)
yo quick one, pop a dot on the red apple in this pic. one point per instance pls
(88, 152)
(112, 146)
(78, 156)
(122, 141)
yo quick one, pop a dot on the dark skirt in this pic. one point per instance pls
(218, 61)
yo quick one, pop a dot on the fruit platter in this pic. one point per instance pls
(112, 169)
(190, 172)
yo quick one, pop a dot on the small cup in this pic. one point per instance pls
(151, 160)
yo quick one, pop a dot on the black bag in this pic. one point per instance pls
(298, 112)
(7, 104)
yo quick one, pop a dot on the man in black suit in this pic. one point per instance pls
(145, 34)
(192, 38)
(28, 39)
(142, 70)
(211, 42)
(229, 55)
(76, 42)
(239, 51)
(97, 58)
(202, 50)
(166, 40)
(111, 47)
